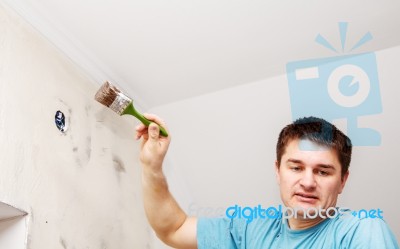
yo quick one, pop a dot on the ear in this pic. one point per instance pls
(278, 179)
(344, 180)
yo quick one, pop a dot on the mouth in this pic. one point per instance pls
(303, 197)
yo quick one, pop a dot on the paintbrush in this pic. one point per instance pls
(113, 98)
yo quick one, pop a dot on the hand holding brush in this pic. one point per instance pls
(114, 99)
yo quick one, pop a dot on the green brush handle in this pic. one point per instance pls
(132, 111)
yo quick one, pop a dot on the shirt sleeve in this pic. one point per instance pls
(217, 233)
(371, 234)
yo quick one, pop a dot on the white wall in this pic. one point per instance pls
(223, 145)
(80, 189)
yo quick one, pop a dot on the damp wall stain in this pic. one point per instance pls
(88, 108)
(63, 178)
(88, 147)
(63, 243)
(119, 167)
(118, 164)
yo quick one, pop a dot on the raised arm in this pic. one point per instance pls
(168, 220)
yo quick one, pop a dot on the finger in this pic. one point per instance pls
(145, 138)
(138, 136)
(140, 130)
(139, 127)
(153, 117)
(140, 133)
(153, 133)
(156, 119)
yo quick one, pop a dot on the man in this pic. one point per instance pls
(312, 163)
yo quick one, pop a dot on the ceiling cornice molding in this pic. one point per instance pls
(91, 66)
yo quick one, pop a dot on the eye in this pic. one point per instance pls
(295, 168)
(323, 173)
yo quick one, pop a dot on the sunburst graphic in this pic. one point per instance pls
(343, 27)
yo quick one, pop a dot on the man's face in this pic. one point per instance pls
(309, 176)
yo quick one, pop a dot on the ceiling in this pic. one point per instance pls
(163, 51)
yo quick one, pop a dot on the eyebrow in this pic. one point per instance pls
(326, 166)
(320, 165)
(290, 160)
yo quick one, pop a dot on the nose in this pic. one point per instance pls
(307, 180)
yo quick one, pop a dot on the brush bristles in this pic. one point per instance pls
(112, 97)
(107, 94)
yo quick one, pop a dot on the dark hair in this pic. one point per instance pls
(319, 131)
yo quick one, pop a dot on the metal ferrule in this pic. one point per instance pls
(120, 103)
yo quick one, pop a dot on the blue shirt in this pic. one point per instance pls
(344, 231)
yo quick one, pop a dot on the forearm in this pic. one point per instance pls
(165, 216)
(162, 211)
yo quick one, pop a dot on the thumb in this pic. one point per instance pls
(154, 132)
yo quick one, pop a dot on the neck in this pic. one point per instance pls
(300, 223)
